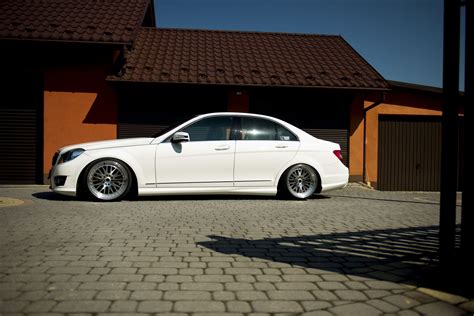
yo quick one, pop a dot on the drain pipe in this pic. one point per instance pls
(364, 154)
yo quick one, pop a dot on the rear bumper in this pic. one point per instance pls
(337, 181)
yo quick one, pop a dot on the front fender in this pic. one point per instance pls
(140, 160)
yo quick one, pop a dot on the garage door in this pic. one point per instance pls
(146, 110)
(21, 129)
(409, 157)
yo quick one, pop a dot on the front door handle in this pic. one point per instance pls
(222, 147)
(281, 146)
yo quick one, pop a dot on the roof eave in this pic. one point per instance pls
(113, 80)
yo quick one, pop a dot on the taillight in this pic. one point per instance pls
(338, 154)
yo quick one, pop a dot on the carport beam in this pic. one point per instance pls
(447, 219)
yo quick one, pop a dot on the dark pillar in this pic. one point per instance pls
(447, 220)
(467, 217)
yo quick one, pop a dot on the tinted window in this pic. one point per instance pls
(213, 128)
(261, 129)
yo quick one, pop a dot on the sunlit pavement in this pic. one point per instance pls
(351, 251)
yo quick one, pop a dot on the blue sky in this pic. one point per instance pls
(402, 39)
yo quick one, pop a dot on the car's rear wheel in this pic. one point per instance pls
(108, 180)
(300, 181)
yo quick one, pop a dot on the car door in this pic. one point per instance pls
(263, 149)
(206, 160)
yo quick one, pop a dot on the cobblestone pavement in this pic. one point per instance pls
(353, 251)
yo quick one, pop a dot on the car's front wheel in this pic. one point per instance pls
(108, 180)
(300, 181)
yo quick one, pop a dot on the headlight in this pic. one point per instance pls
(70, 155)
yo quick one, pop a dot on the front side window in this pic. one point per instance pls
(261, 129)
(209, 129)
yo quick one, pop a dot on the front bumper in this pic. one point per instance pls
(68, 173)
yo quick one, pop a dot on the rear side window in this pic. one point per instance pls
(261, 129)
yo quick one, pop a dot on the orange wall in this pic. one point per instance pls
(356, 138)
(396, 103)
(79, 106)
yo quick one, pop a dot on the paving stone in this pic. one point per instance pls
(146, 295)
(334, 277)
(384, 285)
(439, 308)
(121, 278)
(420, 297)
(12, 306)
(324, 295)
(102, 286)
(301, 278)
(39, 306)
(84, 278)
(355, 309)
(276, 307)
(296, 286)
(167, 286)
(199, 306)
(238, 306)
(468, 306)
(124, 270)
(401, 301)
(264, 286)
(127, 306)
(202, 286)
(354, 285)
(250, 295)
(223, 296)
(376, 293)
(238, 286)
(329, 285)
(233, 271)
(89, 306)
(113, 295)
(141, 286)
(71, 295)
(315, 305)
(351, 295)
(214, 278)
(245, 278)
(187, 295)
(290, 295)
(179, 278)
(99, 271)
(154, 306)
(383, 306)
(68, 270)
(446, 297)
(159, 271)
(154, 278)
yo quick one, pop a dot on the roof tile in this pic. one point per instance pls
(247, 58)
(104, 21)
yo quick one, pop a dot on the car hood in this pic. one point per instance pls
(110, 144)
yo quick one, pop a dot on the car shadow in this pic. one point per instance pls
(51, 196)
(215, 197)
(404, 255)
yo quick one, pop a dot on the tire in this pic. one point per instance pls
(299, 181)
(107, 180)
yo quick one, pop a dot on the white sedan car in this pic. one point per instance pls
(217, 153)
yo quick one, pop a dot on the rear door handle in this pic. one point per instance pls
(222, 147)
(281, 146)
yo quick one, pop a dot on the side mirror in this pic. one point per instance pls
(179, 137)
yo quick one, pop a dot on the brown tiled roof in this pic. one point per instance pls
(247, 58)
(103, 21)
